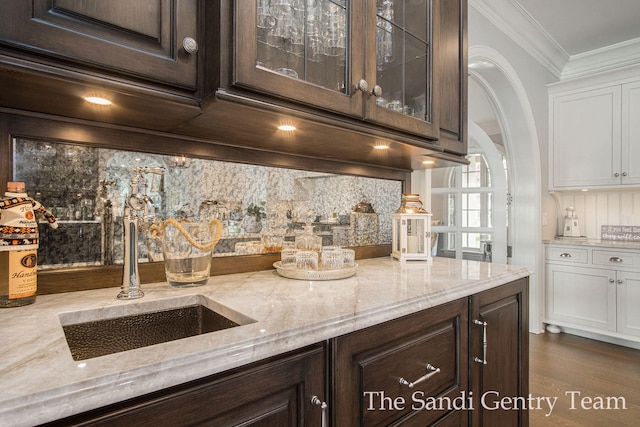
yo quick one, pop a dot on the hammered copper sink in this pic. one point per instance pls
(99, 337)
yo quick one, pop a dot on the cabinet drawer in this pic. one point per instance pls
(616, 259)
(568, 254)
(371, 363)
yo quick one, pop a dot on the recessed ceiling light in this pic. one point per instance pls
(381, 146)
(97, 100)
(287, 128)
(428, 162)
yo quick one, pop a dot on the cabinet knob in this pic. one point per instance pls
(376, 91)
(190, 45)
(624, 174)
(616, 174)
(431, 371)
(611, 281)
(362, 85)
(619, 281)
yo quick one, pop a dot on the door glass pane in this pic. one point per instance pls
(443, 209)
(402, 56)
(446, 245)
(304, 39)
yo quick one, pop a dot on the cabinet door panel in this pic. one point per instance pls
(581, 296)
(296, 62)
(369, 364)
(586, 138)
(631, 133)
(270, 394)
(143, 38)
(451, 75)
(400, 59)
(506, 371)
(628, 303)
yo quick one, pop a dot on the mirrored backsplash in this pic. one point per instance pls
(86, 187)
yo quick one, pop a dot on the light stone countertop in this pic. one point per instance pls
(610, 244)
(41, 382)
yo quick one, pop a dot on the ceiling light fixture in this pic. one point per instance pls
(381, 146)
(287, 128)
(428, 162)
(97, 100)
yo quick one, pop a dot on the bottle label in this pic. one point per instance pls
(18, 225)
(23, 279)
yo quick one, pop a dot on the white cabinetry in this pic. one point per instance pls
(594, 290)
(594, 138)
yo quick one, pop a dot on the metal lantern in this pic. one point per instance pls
(411, 230)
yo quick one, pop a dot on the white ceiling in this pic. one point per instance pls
(580, 26)
(577, 29)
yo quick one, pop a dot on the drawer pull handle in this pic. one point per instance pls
(565, 255)
(482, 360)
(315, 400)
(431, 371)
(615, 259)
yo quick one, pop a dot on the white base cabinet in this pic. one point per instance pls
(593, 289)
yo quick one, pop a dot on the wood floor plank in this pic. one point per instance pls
(591, 380)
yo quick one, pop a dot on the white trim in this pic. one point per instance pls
(518, 25)
(516, 118)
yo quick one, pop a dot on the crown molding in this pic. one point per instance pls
(608, 58)
(519, 26)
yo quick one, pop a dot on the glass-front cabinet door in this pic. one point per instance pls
(301, 50)
(368, 59)
(399, 65)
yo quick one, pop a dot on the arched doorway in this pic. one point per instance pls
(515, 117)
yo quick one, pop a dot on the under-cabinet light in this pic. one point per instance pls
(287, 128)
(428, 162)
(97, 100)
(381, 146)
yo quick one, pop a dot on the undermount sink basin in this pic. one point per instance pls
(94, 333)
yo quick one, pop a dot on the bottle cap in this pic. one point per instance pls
(15, 187)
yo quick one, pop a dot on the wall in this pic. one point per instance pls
(597, 208)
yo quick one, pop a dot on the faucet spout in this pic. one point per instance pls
(130, 288)
(139, 212)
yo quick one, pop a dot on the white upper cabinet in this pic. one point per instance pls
(594, 132)
(631, 133)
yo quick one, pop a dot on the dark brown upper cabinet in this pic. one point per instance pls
(351, 74)
(452, 75)
(367, 60)
(155, 40)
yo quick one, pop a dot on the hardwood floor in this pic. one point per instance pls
(592, 381)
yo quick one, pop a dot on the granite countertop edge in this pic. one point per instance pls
(611, 244)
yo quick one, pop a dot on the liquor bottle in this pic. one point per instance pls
(18, 247)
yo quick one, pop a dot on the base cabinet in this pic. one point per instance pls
(276, 393)
(423, 369)
(595, 290)
(499, 357)
(441, 351)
